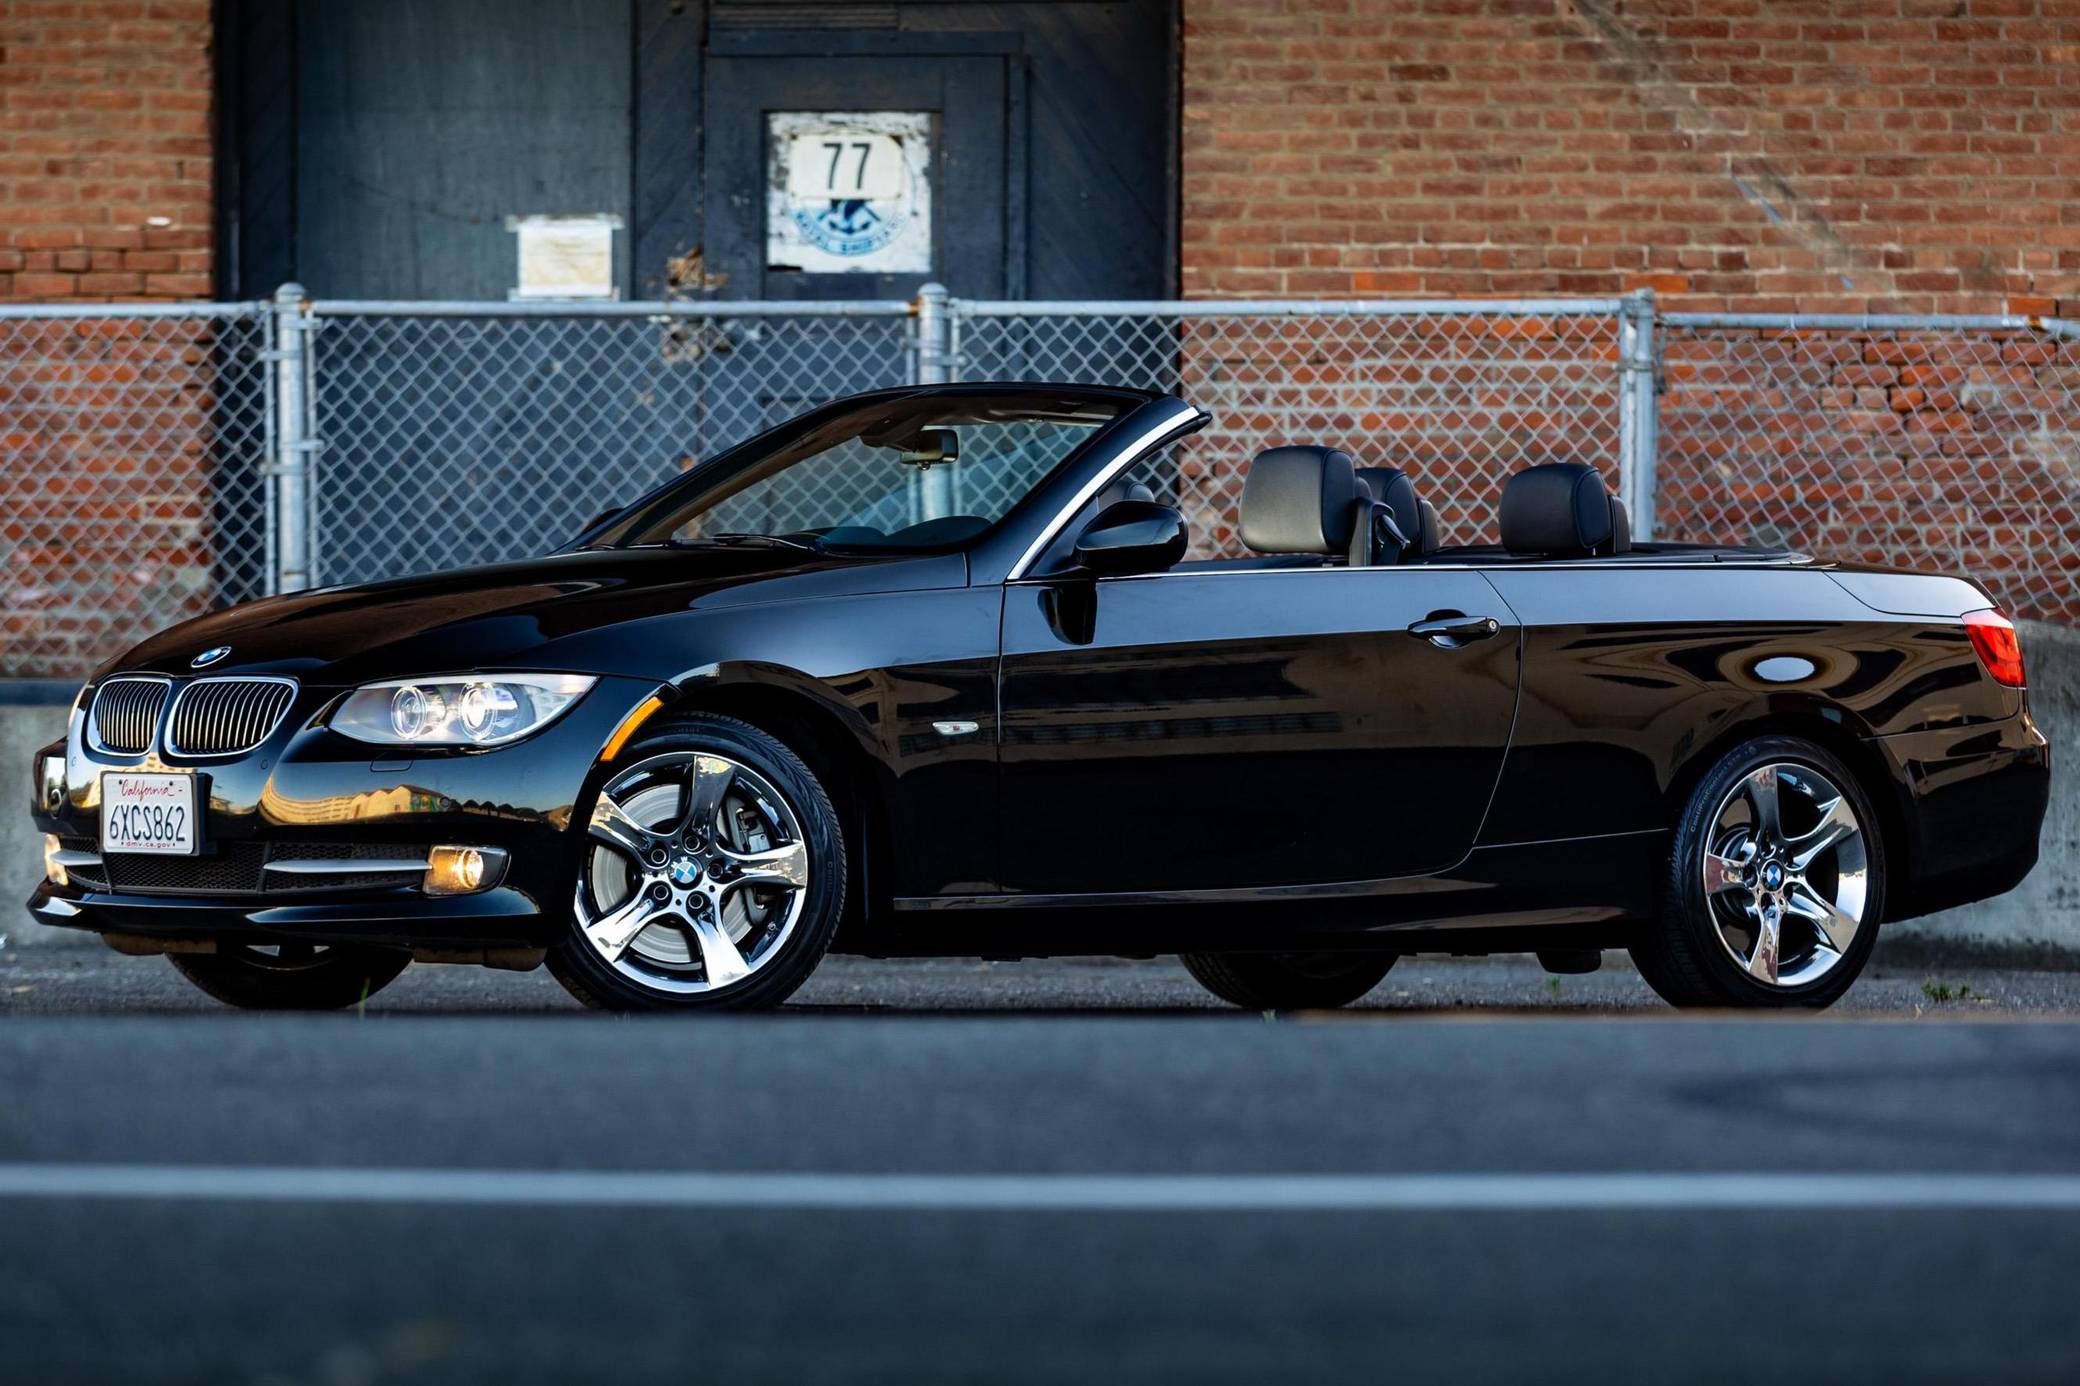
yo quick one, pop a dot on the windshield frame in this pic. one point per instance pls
(716, 478)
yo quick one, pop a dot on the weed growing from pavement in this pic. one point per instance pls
(1943, 991)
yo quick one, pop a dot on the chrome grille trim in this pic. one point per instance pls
(227, 716)
(125, 718)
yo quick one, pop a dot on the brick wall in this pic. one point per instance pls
(125, 452)
(105, 149)
(1775, 155)
(1903, 156)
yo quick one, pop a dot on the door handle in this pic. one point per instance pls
(1449, 630)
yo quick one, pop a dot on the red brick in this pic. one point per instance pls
(1847, 160)
(106, 114)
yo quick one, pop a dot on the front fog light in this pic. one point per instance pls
(53, 869)
(463, 870)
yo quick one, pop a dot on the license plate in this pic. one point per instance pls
(152, 814)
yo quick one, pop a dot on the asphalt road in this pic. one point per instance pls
(1106, 1184)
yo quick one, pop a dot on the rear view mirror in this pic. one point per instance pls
(1133, 536)
(932, 445)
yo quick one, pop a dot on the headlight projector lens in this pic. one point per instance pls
(472, 710)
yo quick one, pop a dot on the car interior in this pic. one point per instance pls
(1308, 506)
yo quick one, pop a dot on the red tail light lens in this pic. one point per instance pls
(1993, 636)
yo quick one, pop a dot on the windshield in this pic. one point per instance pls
(925, 472)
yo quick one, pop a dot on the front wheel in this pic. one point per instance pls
(1775, 885)
(712, 878)
(1288, 981)
(291, 976)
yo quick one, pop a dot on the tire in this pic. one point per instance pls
(1707, 945)
(292, 978)
(1288, 981)
(731, 912)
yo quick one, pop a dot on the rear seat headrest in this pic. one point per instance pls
(1560, 508)
(1299, 499)
(1391, 487)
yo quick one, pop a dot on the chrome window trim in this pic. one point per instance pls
(167, 719)
(91, 732)
(345, 866)
(1561, 565)
(1133, 452)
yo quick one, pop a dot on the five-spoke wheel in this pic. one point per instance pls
(1776, 883)
(712, 874)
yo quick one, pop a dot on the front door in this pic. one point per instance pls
(1221, 728)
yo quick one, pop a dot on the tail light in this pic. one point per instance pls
(1993, 636)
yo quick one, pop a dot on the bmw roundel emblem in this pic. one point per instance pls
(1772, 876)
(209, 657)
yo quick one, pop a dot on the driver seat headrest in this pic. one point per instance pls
(1561, 510)
(1299, 499)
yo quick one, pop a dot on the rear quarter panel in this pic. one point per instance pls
(1633, 673)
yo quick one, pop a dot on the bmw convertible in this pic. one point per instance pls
(933, 671)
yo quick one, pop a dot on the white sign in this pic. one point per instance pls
(148, 813)
(566, 257)
(849, 192)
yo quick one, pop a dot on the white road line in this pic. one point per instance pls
(1130, 1193)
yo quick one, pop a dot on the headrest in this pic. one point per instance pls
(1391, 487)
(1432, 536)
(1299, 499)
(1557, 508)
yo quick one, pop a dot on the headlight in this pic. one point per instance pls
(475, 711)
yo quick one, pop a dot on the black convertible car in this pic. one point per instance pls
(928, 671)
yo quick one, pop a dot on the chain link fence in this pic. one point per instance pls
(156, 462)
(1458, 396)
(134, 452)
(1948, 445)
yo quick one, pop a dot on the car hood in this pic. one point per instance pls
(510, 615)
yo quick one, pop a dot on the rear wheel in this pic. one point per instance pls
(712, 879)
(1288, 981)
(1775, 885)
(291, 976)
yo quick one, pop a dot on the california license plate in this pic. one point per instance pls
(152, 814)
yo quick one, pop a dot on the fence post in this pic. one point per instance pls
(936, 496)
(1639, 406)
(288, 520)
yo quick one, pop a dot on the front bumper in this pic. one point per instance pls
(311, 792)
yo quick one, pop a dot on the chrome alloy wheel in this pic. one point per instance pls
(1786, 874)
(697, 872)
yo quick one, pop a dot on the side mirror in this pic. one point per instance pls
(1132, 536)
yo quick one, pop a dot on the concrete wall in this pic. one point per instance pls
(25, 727)
(2038, 922)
